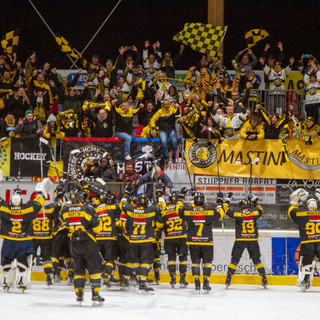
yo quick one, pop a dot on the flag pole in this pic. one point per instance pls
(103, 23)
(44, 21)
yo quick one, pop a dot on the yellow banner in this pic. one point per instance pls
(235, 157)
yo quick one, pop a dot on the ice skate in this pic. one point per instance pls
(144, 288)
(79, 295)
(106, 283)
(124, 284)
(5, 286)
(197, 284)
(96, 298)
(57, 277)
(49, 279)
(183, 282)
(206, 287)
(264, 281)
(305, 283)
(173, 280)
(228, 280)
(113, 279)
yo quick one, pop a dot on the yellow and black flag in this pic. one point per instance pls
(9, 42)
(204, 38)
(65, 46)
(255, 35)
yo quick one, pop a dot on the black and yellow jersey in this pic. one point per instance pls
(173, 226)
(124, 119)
(139, 223)
(16, 220)
(245, 222)
(199, 223)
(82, 222)
(42, 224)
(165, 119)
(308, 222)
(108, 215)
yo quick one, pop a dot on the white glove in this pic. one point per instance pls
(252, 198)
(318, 193)
(44, 187)
(303, 194)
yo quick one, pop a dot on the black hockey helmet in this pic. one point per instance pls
(142, 200)
(198, 199)
(173, 199)
(243, 203)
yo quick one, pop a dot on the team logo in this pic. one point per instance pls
(80, 161)
(202, 154)
(312, 91)
(277, 82)
(229, 132)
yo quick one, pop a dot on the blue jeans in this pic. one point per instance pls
(164, 135)
(127, 141)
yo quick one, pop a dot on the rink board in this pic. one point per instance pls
(279, 254)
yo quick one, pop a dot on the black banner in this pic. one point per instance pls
(26, 157)
(93, 148)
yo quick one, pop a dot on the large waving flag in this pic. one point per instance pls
(9, 42)
(65, 46)
(204, 38)
(255, 35)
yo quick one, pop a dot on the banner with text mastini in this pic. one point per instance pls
(235, 157)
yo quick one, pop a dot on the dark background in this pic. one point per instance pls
(295, 22)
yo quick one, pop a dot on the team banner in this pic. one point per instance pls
(204, 38)
(5, 155)
(235, 158)
(26, 157)
(79, 151)
(255, 35)
(9, 42)
(65, 46)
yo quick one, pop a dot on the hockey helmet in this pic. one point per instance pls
(142, 200)
(74, 196)
(312, 204)
(243, 203)
(16, 198)
(198, 199)
(173, 199)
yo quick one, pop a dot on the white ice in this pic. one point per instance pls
(238, 302)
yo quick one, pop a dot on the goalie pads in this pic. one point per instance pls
(44, 187)
(298, 196)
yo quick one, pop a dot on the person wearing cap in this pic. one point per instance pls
(29, 126)
(74, 101)
(310, 132)
(51, 130)
(68, 122)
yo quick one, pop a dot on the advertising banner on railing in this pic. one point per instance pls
(235, 158)
(79, 151)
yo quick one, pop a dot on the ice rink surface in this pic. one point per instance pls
(238, 302)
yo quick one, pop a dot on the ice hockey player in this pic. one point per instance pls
(246, 235)
(200, 219)
(175, 240)
(42, 227)
(108, 213)
(82, 223)
(308, 221)
(16, 218)
(139, 223)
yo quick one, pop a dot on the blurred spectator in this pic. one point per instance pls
(291, 130)
(168, 63)
(74, 101)
(165, 118)
(18, 103)
(68, 122)
(40, 105)
(245, 65)
(252, 129)
(51, 130)
(312, 90)
(310, 132)
(146, 113)
(270, 57)
(38, 82)
(208, 131)
(129, 174)
(29, 126)
(9, 125)
(151, 61)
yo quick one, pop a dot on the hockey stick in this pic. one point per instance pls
(254, 161)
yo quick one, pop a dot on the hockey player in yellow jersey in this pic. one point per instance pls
(246, 235)
(16, 229)
(200, 219)
(307, 218)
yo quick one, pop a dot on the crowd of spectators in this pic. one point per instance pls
(136, 96)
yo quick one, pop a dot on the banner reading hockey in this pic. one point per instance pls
(235, 157)
(26, 157)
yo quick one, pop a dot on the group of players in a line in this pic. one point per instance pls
(95, 233)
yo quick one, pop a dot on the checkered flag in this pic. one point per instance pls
(255, 35)
(65, 46)
(204, 38)
(9, 42)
